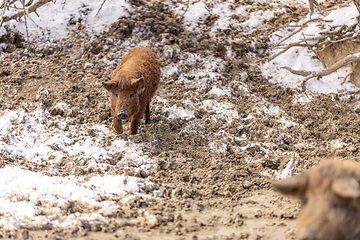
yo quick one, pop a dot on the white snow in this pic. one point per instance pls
(224, 12)
(195, 13)
(344, 16)
(55, 17)
(288, 170)
(219, 91)
(32, 136)
(225, 111)
(24, 193)
(257, 19)
(179, 112)
(37, 140)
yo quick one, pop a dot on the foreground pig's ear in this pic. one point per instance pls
(110, 85)
(138, 84)
(294, 186)
(346, 187)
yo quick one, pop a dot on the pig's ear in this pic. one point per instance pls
(138, 84)
(110, 85)
(294, 186)
(346, 187)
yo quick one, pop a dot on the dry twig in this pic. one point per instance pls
(313, 5)
(291, 45)
(28, 3)
(313, 74)
(346, 77)
(329, 42)
(357, 4)
(300, 28)
(312, 49)
(102, 4)
(3, 13)
(31, 9)
(298, 72)
(302, 41)
(26, 26)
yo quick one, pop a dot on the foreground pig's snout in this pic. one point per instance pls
(310, 235)
(122, 115)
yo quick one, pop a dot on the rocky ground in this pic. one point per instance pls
(220, 132)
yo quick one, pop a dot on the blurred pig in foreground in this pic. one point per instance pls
(330, 195)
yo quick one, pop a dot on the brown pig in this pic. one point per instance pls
(132, 86)
(330, 195)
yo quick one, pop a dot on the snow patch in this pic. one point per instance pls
(25, 194)
(195, 13)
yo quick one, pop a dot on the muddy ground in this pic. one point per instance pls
(211, 184)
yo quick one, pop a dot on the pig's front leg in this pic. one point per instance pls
(135, 121)
(118, 125)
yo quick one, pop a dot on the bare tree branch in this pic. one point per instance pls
(291, 45)
(346, 77)
(31, 9)
(343, 62)
(300, 28)
(329, 42)
(313, 74)
(29, 3)
(312, 49)
(298, 72)
(2, 15)
(26, 26)
(313, 5)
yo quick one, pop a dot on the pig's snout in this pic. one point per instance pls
(122, 115)
(309, 235)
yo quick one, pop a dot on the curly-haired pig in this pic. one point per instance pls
(330, 195)
(132, 86)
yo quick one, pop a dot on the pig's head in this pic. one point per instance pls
(330, 208)
(124, 98)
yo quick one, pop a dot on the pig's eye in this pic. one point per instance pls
(116, 95)
(304, 201)
(336, 204)
(131, 95)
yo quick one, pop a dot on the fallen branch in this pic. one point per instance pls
(329, 42)
(312, 49)
(298, 72)
(5, 2)
(313, 74)
(346, 77)
(20, 14)
(296, 44)
(300, 28)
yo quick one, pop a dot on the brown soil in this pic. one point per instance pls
(221, 194)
